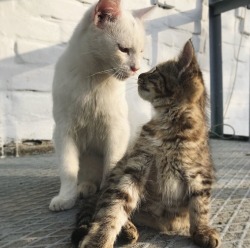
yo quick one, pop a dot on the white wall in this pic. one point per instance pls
(33, 34)
(236, 68)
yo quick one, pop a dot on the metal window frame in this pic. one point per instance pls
(216, 8)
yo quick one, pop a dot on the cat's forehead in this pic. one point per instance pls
(129, 31)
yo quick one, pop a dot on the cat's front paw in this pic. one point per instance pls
(86, 189)
(206, 237)
(59, 203)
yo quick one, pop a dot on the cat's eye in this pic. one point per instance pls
(123, 49)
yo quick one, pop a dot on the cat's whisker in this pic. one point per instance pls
(102, 72)
(89, 52)
(117, 73)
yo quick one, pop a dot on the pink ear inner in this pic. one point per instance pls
(106, 10)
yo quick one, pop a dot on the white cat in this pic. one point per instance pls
(90, 110)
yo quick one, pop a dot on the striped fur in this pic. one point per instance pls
(165, 180)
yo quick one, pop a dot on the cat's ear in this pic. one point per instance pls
(143, 13)
(186, 56)
(106, 10)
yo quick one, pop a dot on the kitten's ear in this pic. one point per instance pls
(106, 10)
(143, 13)
(186, 56)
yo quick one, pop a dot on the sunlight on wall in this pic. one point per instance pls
(33, 34)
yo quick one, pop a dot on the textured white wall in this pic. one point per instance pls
(236, 69)
(33, 34)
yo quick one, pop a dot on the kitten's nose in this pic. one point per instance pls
(134, 69)
(142, 76)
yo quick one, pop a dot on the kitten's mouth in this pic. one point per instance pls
(142, 85)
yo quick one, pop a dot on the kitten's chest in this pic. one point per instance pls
(171, 183)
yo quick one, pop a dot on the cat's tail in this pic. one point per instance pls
(84, 219)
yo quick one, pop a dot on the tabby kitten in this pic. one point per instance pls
(168, 174)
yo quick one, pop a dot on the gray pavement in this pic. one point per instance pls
(28, 183)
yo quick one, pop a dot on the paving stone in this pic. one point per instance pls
(28, 183)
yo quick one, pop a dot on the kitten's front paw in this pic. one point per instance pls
(59, 203)
(129, 233)
(98, 236)
(206, 237)
(86, 189)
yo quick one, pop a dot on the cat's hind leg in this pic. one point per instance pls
(117, 144)
(86, 189)
(113, 210)
(67, 152)
(119, 198)
(90, 174)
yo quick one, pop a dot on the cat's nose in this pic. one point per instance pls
(134, 69)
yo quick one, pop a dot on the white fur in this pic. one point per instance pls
(89, 105)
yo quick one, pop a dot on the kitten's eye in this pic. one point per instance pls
(153, 70)
(123, 49)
